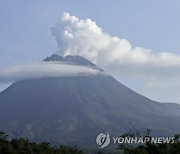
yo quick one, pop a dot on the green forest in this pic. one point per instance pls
(149, 148)
(24, 146)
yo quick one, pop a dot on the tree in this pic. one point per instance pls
(3, 136)
(151, 148)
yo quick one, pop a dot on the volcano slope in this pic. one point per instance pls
(74, 109)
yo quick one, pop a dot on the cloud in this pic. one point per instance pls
(156, 75)
(83, 37)
(45, 69)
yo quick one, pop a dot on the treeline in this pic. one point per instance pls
(24, 146)
(150, 148)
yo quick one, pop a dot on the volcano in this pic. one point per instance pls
(74, 109)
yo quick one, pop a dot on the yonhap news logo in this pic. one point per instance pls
(103, 140)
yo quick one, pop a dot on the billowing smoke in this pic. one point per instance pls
(45, 69)
(83, 37)
(136, 65)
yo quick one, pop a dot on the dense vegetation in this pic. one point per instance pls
(154, 149)
(23, 146)
(150, 148)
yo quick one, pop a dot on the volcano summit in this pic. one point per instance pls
(74, 109)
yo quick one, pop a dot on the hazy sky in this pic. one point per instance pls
(25, 35)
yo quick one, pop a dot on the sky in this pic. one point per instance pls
(145, 28)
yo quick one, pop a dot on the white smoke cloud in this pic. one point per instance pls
(45, 69)
(157, 74)
(83, 37)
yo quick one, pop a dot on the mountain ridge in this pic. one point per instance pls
(77, 60)
(73, 110)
